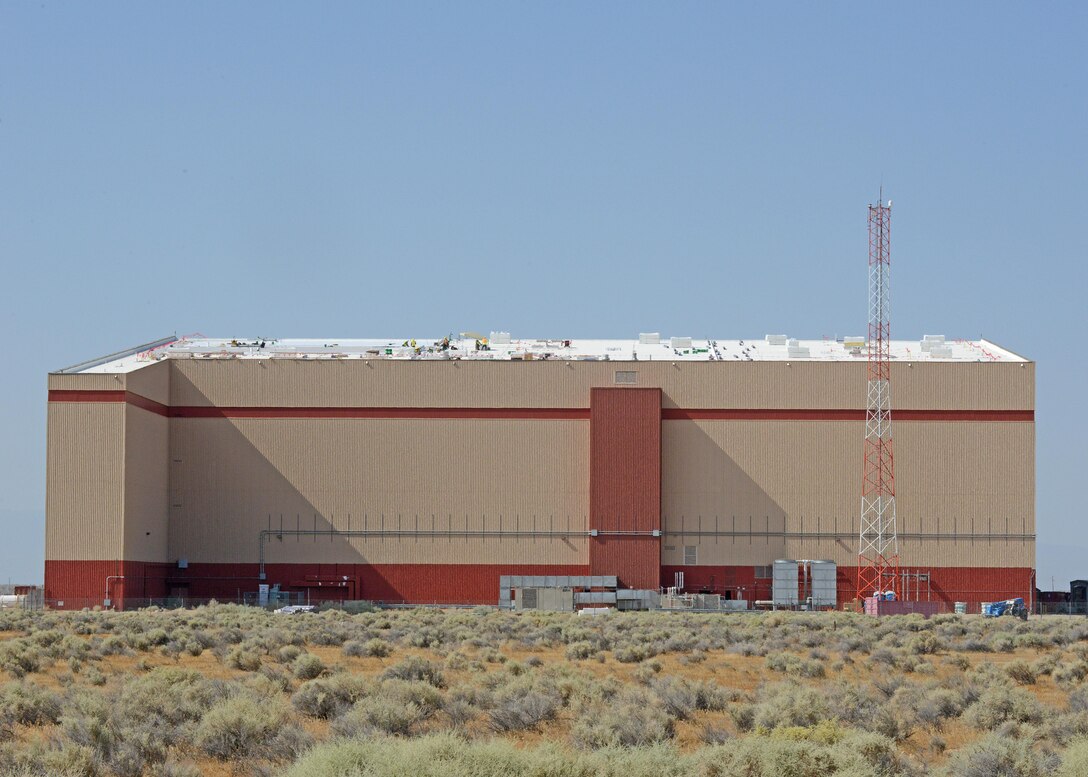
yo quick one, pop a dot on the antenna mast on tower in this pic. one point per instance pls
(878, 546)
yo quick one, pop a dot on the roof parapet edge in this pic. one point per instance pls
(89, 363)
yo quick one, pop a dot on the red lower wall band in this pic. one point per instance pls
(78, 584)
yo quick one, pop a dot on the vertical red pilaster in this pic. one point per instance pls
(625, 485)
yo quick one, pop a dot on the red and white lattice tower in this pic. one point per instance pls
(878, 546)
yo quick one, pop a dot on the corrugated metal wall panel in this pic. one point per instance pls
(625, 484)
(232, 479)
(151, 381)
(81, 584)
(146, 485)
(95, 381)
(771, 477)
(85, 480)
(745, 385)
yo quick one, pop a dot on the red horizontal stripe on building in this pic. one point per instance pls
(839, 414)
(530, 413)
(524, 413)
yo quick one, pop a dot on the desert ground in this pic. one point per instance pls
(230, 690)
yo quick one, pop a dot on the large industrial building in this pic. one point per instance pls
(433, 471)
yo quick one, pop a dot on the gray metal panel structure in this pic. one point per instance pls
(823, 582)
(784, 583)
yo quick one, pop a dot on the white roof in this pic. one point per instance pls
(501, 347)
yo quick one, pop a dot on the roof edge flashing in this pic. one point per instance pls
(100, 360)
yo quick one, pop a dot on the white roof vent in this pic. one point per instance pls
(500, 338)
(798, 351)
(679, 343)
(940, 351)
(776, 339)
(932, 341)
(649, 338)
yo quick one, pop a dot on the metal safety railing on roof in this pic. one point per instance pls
(86, 365)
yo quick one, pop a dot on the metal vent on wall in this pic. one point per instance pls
(763, 573)
(628, 377)
(528, 598)
(691, 555)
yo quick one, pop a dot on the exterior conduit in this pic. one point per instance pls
(108, 579)
(502, 533)
(265, 533)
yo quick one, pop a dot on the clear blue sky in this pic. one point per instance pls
(563, 169)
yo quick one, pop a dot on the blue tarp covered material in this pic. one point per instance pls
(1007, 607)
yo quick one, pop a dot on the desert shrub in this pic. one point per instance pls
(678, 697)
(888, 683)
(95, 677)
(29, 704)
(19, 657)
(997, 705)
(938, 705)
(925, 644)
(307, 666)
(416, 668)
(168, 697)
(157, 637)
(442, 755)
(422, 694)
(710, 734)
(1070, 673)
(521, 711)
(49, 760)
(459, 711)
(788, 704)
(962, 663)
(996, 755)
(743, 715)
(1078, 700)
(807, 753)
(632, 654)
(1075, 760)
(243, 659)
(175, 769)
(328, 697)
(1021, 672)
(633, 720)
(378, 715)
(794, 666)
(288, 653)
(242, 727)
(580, 650)
(373, 648)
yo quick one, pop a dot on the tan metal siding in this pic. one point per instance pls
(776, 478)
(87, 382)
(741, 385)
(85, 481)
(151, 381)
(146, 485)
(232, 478)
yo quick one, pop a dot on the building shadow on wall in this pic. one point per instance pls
(709, 499)
(252, 498)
